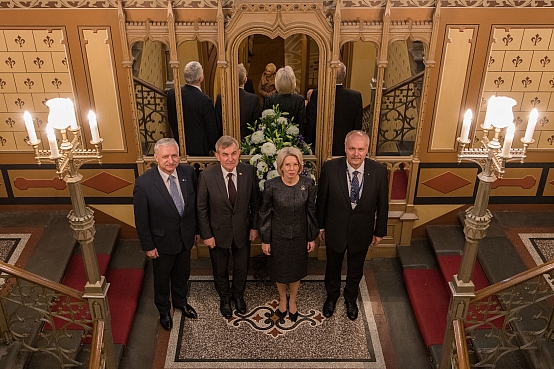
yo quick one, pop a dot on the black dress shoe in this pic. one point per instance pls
(281, 315)
(240, 303)
(225, 308)
(166, 321)
(352, 310)
(329, 307)
(188, 311)
(293, 317)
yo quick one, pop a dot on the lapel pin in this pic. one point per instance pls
(240, 173)
(302, 188)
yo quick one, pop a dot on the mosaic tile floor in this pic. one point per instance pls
(258, 340)
(539, 245)
(11, 246)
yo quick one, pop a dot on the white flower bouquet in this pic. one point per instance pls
(273, 132)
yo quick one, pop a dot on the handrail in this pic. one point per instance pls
(461, 344)
(152, 87)
(45, 282)
(512, 281)
(403, 83)
(97, 345)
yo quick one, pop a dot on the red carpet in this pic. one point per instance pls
(123, 294)
(400, 185)
(430, 298)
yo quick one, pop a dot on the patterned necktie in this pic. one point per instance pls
(174, 192)
(232, 190)
(354, 188)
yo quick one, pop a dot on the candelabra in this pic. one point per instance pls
(69, 157)
(492, 158)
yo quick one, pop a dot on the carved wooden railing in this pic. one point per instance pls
(398, 117)
(44, 317)
(517, 314)
(460, 356)
(151, 114)
(97, 357)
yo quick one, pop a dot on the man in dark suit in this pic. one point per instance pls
(348, 113)
(250, 108)
(228, 204)
(352, 212)
(165, 217)
(200, 123)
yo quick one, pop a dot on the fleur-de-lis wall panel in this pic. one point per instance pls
(33, 69)
(521, 66)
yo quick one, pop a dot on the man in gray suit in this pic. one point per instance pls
(228, 204)
(352, 213)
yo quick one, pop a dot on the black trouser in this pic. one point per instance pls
(354, 273)
(220, 263)
(171, 270)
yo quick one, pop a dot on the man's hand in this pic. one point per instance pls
(311, 246)
(253, 235)
(210, 242)
(152, 254)
(376, 240)
(266, 248)
(322, 235)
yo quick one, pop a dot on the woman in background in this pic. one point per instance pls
(288, 227)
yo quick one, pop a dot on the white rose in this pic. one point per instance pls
(262, 184)
(293, 130)
(252, 151)
(282, 120)
(268, 113)
(269, 149)
(262, 167)
(254, 159)
(257, 137)
(272, 174)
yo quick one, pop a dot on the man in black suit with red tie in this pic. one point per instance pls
(164, 200)
(352, 212)
(229, 200)
(250, 108)
(200, 123)
(348, 113)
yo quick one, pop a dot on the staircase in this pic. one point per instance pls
(57, 257)
(429, 264)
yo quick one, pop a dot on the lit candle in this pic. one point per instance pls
(93, 127)
(71, 115)
(30, 128)
(531, 126)
(466, 126)
(58, 113)
(487, 124)
(52, 141)
(508, 140)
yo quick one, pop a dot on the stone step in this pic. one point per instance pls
(419, 255)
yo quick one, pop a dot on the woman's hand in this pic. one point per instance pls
(266, 248)
(311, 246)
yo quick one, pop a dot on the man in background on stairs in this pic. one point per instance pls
(348, 113)
(229, 201)
(250, 108)
(164, 200)
(200, 123)
(352, 212)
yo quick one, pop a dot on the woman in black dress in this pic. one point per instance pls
(288, 227)
(287, 98)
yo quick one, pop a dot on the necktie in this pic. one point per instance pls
(354, 188)
(174, 192)
(232, 190)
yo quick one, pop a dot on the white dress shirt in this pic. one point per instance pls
(226, 179)
(350, 177)
(165, 177)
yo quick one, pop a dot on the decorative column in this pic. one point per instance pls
(492, 158)
(68, 158)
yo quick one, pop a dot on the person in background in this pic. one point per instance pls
(288, 227)
(287, 99)
(266, 87)
(201, 131)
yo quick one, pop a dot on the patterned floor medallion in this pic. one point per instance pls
(264, 319)
(258, 339)
(541, 248)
